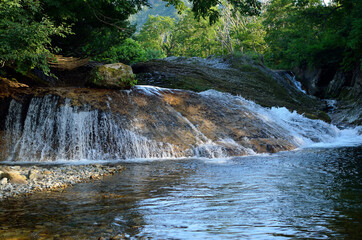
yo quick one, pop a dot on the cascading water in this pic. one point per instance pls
(158, 123)
(50, 132)
(291, 77)
(301, 131)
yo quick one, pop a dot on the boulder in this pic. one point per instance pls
(34, 174)
(112, 76)
(14, 177)
(3, 181)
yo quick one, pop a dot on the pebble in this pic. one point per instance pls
(39, 178)
(3, 181)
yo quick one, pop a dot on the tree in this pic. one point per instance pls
(195, 38)
(32, 30)
(158, 8)
(241, 33)
(156, 34)
(100, 24)
(97, 25)
(209, 8)
(25, 38)
(312, 33)
(186, 37)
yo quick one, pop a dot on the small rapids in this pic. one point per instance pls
(291, 78)
(159, 123)
(301, 131)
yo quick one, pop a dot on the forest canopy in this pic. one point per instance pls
(32, 31)
(287, 33)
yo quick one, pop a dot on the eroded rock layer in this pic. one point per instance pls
(144, 122)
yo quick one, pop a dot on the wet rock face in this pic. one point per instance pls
(145, 122)
(333, 83)
(111, 76)
(235, 75)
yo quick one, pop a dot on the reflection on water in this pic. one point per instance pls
(308, 194)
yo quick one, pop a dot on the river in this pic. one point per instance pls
(312, 193)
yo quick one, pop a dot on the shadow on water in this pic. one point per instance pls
(88, 210)
(307, 194)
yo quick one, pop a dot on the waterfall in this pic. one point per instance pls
(158, 123)
(291, 78)
(52, 132)
(301, 131)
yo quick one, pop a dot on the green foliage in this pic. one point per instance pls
(156, 34)
(191, 37)
(238, 33)
(100, 24)
(32, 30)
(154, 54)
(25, 38)
(158, 8)
(209, 9)
(129, 52)
(309, 32)
(97, 24)
(132, 80)
(195, 38)
(186, 37)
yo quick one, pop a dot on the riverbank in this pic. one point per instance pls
(24, 180)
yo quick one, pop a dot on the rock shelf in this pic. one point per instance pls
(25, 180)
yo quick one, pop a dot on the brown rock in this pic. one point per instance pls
(3, 181)
(14, 177)
(33, 174)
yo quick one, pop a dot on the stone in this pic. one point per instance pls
(235, 75)
(335, 86)
(33, 174)
(3, 181)
(15, 177)
(118, 237)
(16, 168)
(112, 76)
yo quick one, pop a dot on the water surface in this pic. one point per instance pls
(307, 194)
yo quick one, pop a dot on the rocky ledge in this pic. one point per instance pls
(24, 180)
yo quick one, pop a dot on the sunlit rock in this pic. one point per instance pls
(14, 177)
(112, 76)
(148, 122)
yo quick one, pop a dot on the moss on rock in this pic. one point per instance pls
(112, 76)
(233, 74)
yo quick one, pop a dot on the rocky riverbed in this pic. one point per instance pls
(23, 180)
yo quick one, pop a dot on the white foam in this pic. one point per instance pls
(66, 133)
(301, 131)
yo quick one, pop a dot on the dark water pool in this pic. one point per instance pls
(307, 194)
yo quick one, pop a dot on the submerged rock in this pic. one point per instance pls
(58, 177)
(112, 76)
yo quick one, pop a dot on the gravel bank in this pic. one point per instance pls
(23, 180)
